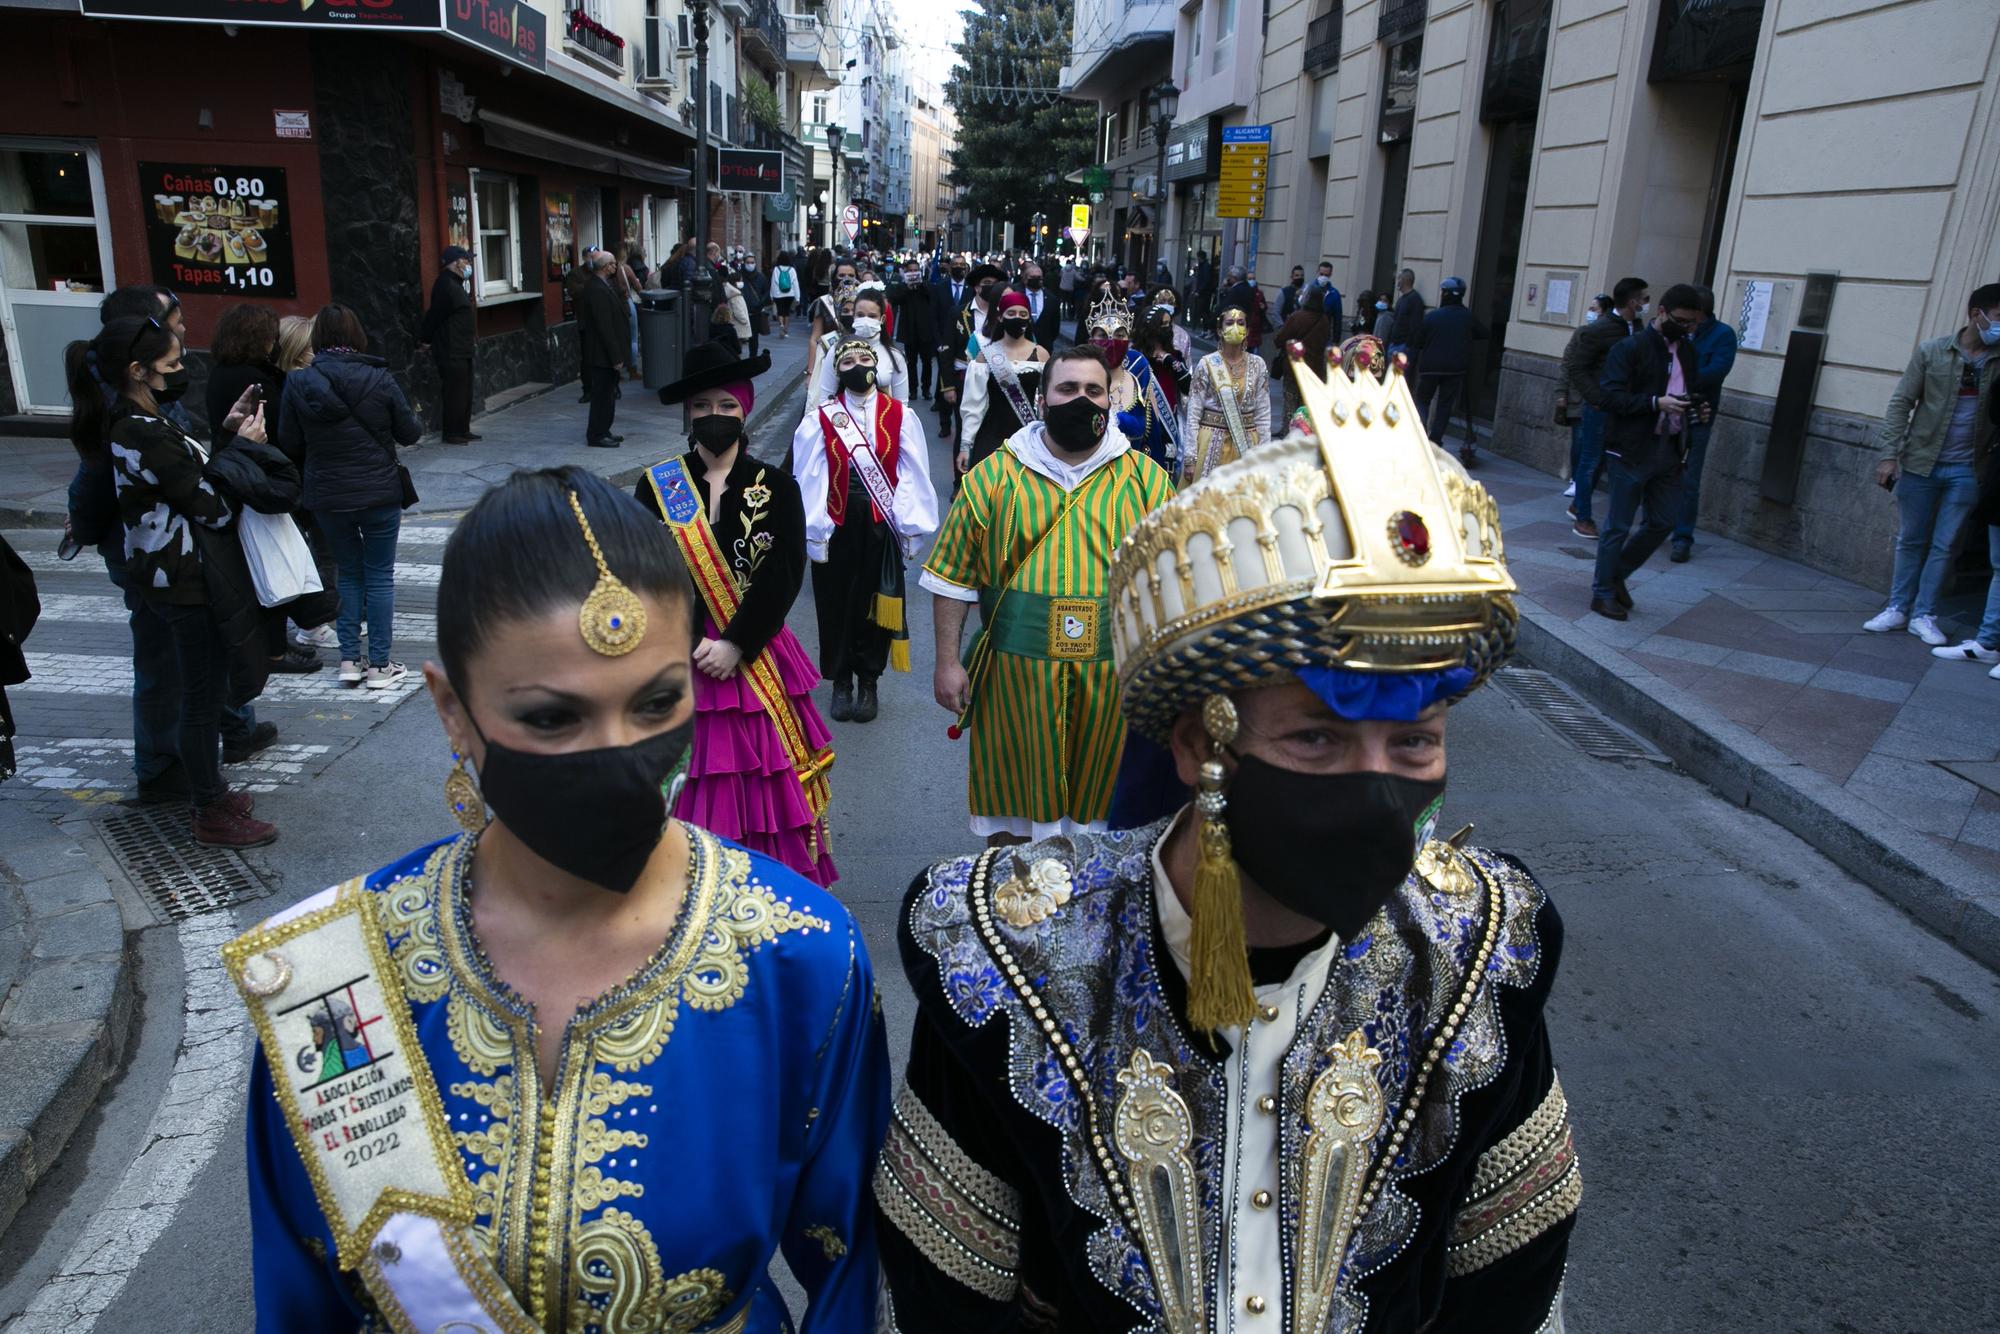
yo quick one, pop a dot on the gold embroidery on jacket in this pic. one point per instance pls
(1523, 1186)
(963, 1218)
(1153, 1130)
(1344, 1110)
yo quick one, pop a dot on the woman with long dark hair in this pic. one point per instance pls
(165, 502)
(652, 1060)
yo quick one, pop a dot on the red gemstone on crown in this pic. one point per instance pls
(1412, 535)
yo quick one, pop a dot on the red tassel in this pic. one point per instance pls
(954, 731)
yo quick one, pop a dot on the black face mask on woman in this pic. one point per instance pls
(175, 384)
(1014, 328)
(597, 814)
(1332, 847)
(716, 432)
(857, 379)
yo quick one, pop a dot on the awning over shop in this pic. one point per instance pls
(518, 136)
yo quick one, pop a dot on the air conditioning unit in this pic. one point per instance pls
(656, 63)
(684, 34)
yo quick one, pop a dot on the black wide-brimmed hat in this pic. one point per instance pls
(982, 272)
(710, 366)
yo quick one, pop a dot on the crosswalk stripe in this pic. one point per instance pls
(110, 674)
(418, 627)
(424, 575)
(91, 765)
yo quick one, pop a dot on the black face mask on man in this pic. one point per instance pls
(1332, 847)
(1076, 426)
(716, 432)
(596, 814)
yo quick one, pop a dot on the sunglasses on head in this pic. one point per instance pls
(132, 350)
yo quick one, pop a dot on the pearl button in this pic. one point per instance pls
(1261, 1200)
(1268, 1105)
(1254, 1304)
(1268, 1013)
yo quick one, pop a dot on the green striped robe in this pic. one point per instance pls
(1046, 735)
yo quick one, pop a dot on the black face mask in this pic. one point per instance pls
(1014, 328)
(858, 379)
(1033, 284)
(1077, 426)
(1672, 329)
(958, 275)
(597, 814)
(176, 385)
(716, 432)
(1332, 847)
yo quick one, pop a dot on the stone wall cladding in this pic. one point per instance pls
(1841, 522)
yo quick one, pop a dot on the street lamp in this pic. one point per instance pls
(701, 268)
(1166, 101)
(836, 148)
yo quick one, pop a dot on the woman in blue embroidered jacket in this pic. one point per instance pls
(659, 1056)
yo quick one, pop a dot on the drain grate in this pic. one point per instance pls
(178, 876)
(1573, 720)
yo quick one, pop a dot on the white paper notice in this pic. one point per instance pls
(1557, 302)
(1755, 314)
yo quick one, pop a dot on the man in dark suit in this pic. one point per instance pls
(447, 331)
(916, 327)
(950, 295)
(1043, 309)
(1651, 406)
(604, 329)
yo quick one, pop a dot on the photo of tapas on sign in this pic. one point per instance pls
(218, 230)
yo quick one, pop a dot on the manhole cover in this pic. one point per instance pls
(1575, 721)
(178, 876)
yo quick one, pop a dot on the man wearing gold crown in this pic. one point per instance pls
(1277, 1062)
(1144, 414)
(864, 477)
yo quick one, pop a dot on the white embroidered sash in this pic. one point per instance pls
(1002, 371)
(839, 418)
(1156, 398)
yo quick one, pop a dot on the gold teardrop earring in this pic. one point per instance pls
(461, 797)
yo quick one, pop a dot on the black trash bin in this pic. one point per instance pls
(660, 334)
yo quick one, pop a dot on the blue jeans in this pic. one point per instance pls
(1931, 510)
(1586, 457)
(1618, 554)
(363, 543)
(1989, 624)
(1697, 453)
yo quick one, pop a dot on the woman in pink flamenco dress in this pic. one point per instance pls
(757, 771)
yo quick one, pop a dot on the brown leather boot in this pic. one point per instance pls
(218, 825)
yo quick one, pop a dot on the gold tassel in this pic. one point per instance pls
(887, 613)
(1219, 991)
(899, 655)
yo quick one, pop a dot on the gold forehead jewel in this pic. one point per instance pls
(613, 620)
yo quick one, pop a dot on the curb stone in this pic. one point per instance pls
(1928, 882)
(66, 1001)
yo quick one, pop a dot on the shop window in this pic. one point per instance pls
(1399, 90)
(1225, 35)
(496, 218)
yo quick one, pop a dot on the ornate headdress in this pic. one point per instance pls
(1111, 318)
(612, 620)
(1360, 547)
(849, 343)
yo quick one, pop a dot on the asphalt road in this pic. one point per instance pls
(1781, 1087)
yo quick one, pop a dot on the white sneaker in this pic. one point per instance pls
(1970, 651)
(381, 678)
(1995, 673)
(1570, 490)
(350, 672)
(1885, 620)
(323, 637)
(1926, 629)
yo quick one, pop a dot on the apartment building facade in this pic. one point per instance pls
(1826, 166)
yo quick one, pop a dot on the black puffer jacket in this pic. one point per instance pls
(256, 476)
(346, 415)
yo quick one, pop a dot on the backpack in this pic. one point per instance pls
(784, 280)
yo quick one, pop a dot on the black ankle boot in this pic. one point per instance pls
(843, 702)
(865, 704)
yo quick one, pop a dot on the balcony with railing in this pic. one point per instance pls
(1400, 19)
(763, 35)
(810, 52)
(1323, 41)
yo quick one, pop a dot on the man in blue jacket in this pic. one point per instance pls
(1444, 351)
(1650, 381)
(1714, 355)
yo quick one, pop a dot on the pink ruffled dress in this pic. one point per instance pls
(740, 784)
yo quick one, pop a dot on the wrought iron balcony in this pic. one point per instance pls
(1323, 42)
(763, 35)
(1400, 19)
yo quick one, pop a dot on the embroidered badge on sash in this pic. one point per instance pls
(357, 1094)
(1073, 628)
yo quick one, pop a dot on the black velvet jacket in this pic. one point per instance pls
(1006, 1198)
(761, 531)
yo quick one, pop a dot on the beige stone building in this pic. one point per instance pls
(1541, 149)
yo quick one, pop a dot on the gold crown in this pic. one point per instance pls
(1111, 317)
(1361, 546)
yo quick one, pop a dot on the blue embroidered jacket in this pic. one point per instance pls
(1008, 1198)
(724, 1104)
